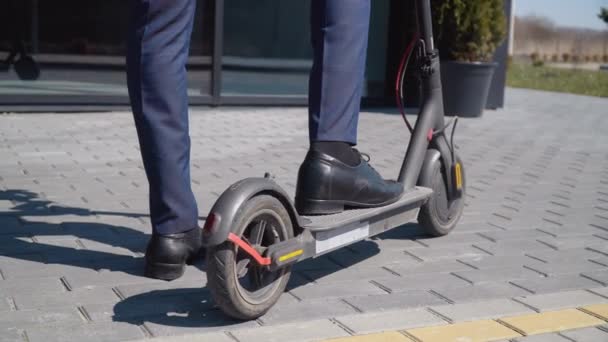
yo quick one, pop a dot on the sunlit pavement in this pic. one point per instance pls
(74, 226)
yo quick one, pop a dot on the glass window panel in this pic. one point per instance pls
(80, 46)
(267, 48)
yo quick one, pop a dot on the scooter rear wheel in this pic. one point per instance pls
(439, 215)
(240, 287)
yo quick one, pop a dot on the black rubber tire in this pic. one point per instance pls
(222, 280)
(429, 216)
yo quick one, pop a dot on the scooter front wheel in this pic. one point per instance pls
(242, 288)
(439, 215)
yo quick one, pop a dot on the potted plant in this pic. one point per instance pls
(467, 34)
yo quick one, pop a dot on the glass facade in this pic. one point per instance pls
(266, 48)
(67, 52)
(70, 52)
(79, 49)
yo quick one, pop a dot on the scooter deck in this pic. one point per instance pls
(326, 233)
(410, 199)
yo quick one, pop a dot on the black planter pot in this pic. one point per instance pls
(466, 87)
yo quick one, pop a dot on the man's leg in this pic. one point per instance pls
(333, 175)
(159, 40)
(339, 38)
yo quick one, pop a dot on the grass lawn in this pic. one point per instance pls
(584, 82)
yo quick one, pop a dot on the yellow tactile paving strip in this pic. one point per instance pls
(599, 310)
(551, 321)
(498, 329)
(485, 330)
(392, 336)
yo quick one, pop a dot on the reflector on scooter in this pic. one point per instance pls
(211, 223)
(458, 173)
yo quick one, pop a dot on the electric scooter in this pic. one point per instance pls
(254, 234)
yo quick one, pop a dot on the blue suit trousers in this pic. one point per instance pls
(158, 45)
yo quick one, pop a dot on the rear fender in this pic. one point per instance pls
(221, 217)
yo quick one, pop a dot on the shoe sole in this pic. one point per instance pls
(159, 270)
(163, 271)
(331, 207)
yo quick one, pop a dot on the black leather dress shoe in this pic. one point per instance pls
(328, 186)
(167, 255)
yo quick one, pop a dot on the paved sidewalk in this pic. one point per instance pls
(74, 225)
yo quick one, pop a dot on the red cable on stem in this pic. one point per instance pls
(398, 83)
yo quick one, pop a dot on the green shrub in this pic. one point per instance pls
(566, 57)
(534, 56)
(468, 30)
(538, 63)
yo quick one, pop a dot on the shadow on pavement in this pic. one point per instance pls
(194, 308)
(184, 307)
(25, 239)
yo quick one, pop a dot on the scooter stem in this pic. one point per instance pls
(431, 116)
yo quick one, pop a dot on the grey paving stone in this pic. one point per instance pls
(600, 277)
(497, 274)
(572, 267)
(601, 250)
(453, 239)
(307, 310)
(151, 304)
(347, 274)
(202, 337)
(11, 287)
(601, 261)
(373, 257)
(561, 300)
(522, 234)
(443, 266)
(340, 289)
(600, 291)
(192, 323)
(114, 331)
(367, 323)
(192, 276)
(553, 337)
(11, 335)
(483, 291)
(555, 284)
(107, 279)
(178, 287)
(568, 231)
(481, 310)
(591, 334)
(29, 301)
(488, 262)
(573, 242)
(512, 247)
(321, 263)
(49, 317)
(419, 281)
(30, 266)
(90, 164)
(402, 300)
(301, 331)
(569, 255)
(443, 253)
(5, 304)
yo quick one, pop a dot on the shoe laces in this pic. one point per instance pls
(367, 158)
